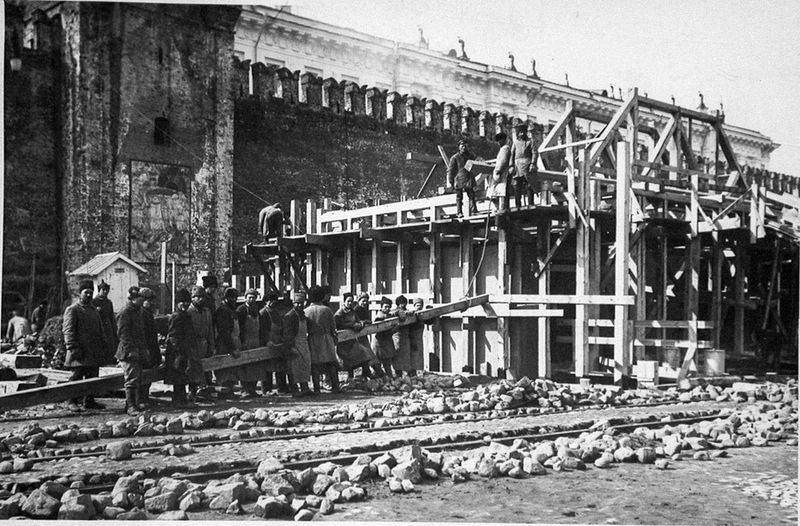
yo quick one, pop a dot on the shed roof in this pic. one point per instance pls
(100, 262)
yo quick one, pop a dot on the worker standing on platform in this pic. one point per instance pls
(295, 338)
(180, 350)
(106, 310)
(322, 340)
(524, 156)
(383, 345)
(132, 349)
(351, 353)
(84, 341)
(228, 340)
(250, 335)
(462, 179)
(271, 220)
(203, 323)
(499, 182)
(153, 359)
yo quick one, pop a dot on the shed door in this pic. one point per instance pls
(119, 280)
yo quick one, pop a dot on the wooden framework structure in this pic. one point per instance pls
(641, 256)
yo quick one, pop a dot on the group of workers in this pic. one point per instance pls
(516, 160)
(297, 345)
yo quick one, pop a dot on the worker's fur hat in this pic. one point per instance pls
(183, 296)
(197, 290)
(147, 293)
(386, 301)
(501, 137)
(363, 296)
(271, 296)
(103, 286)
(86, 284)
(401, 300)
(315, 294)
(210, 281)
(231, 292)
(522, 126)
(298, 296)
(251, 292)
(133, 292)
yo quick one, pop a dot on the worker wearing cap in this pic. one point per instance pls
(295, 339)
(402, 343)
(322, 340)
(271, 329)
(250, 337)
(351, 353)
(132, 348)
(226, 324)
(524, 156)
(462, 179)
(85, 343)
(106, 310)
(499, 181)
(415, 339)
(383, 344)
(153, 359)
(180, 347)
(203, 323)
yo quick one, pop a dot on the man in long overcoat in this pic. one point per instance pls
(84, 341)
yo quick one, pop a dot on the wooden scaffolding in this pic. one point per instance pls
(637, 253)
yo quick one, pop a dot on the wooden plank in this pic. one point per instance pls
(730, 155)
(674, 109)
(692, 293)
(671, 324)
(564, 299)
(661, 145)
(568, 145)
(657, 342)
(601, 340)
(504, 310)
(543, 355)
(560, 241)
(582, 273)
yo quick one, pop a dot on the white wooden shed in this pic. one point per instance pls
(116, 269)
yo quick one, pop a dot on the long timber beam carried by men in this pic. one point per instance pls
(264, 262)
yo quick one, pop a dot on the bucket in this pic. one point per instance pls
(711, 362)
(671, 356)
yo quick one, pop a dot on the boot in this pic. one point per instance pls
(333, 377)
(266, 385)
(90, 403)
(130, 401)
(144, 397)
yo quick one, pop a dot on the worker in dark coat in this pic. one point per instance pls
(180, 344)
(295, 341)
(271, 329)
(153, 359)
(250, 338)
(132, 350)
(106, 309)
(226, 324)
(271, 220)
(383, 344)
(203, 321)
(322, 340)
(462, 179)
(85, 342)
(351, 353)
(524, 156)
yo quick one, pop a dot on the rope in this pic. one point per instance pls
(483, 253)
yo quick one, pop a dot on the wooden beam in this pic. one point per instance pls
(427, 314)
(730, 155)
(560, 241)
(674, 109)
(582, 269)
(543, 356)
(692, 293)
(622, 335)
(611, 128)
(504, 310)
(661, 145)
(563, 299)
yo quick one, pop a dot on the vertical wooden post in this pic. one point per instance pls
(433, 276)
(543, 323)
(716, 291)
(311, 227)
(320, 254)
(622, 335)
(349, 265)
(162, 300)
(582, 274)
(739, 279)
(641, 292)
(692, 296)
(466, 274)
(665, 281)
(503, 287)
(174, 284)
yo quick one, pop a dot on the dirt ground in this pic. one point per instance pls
(690, 492)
